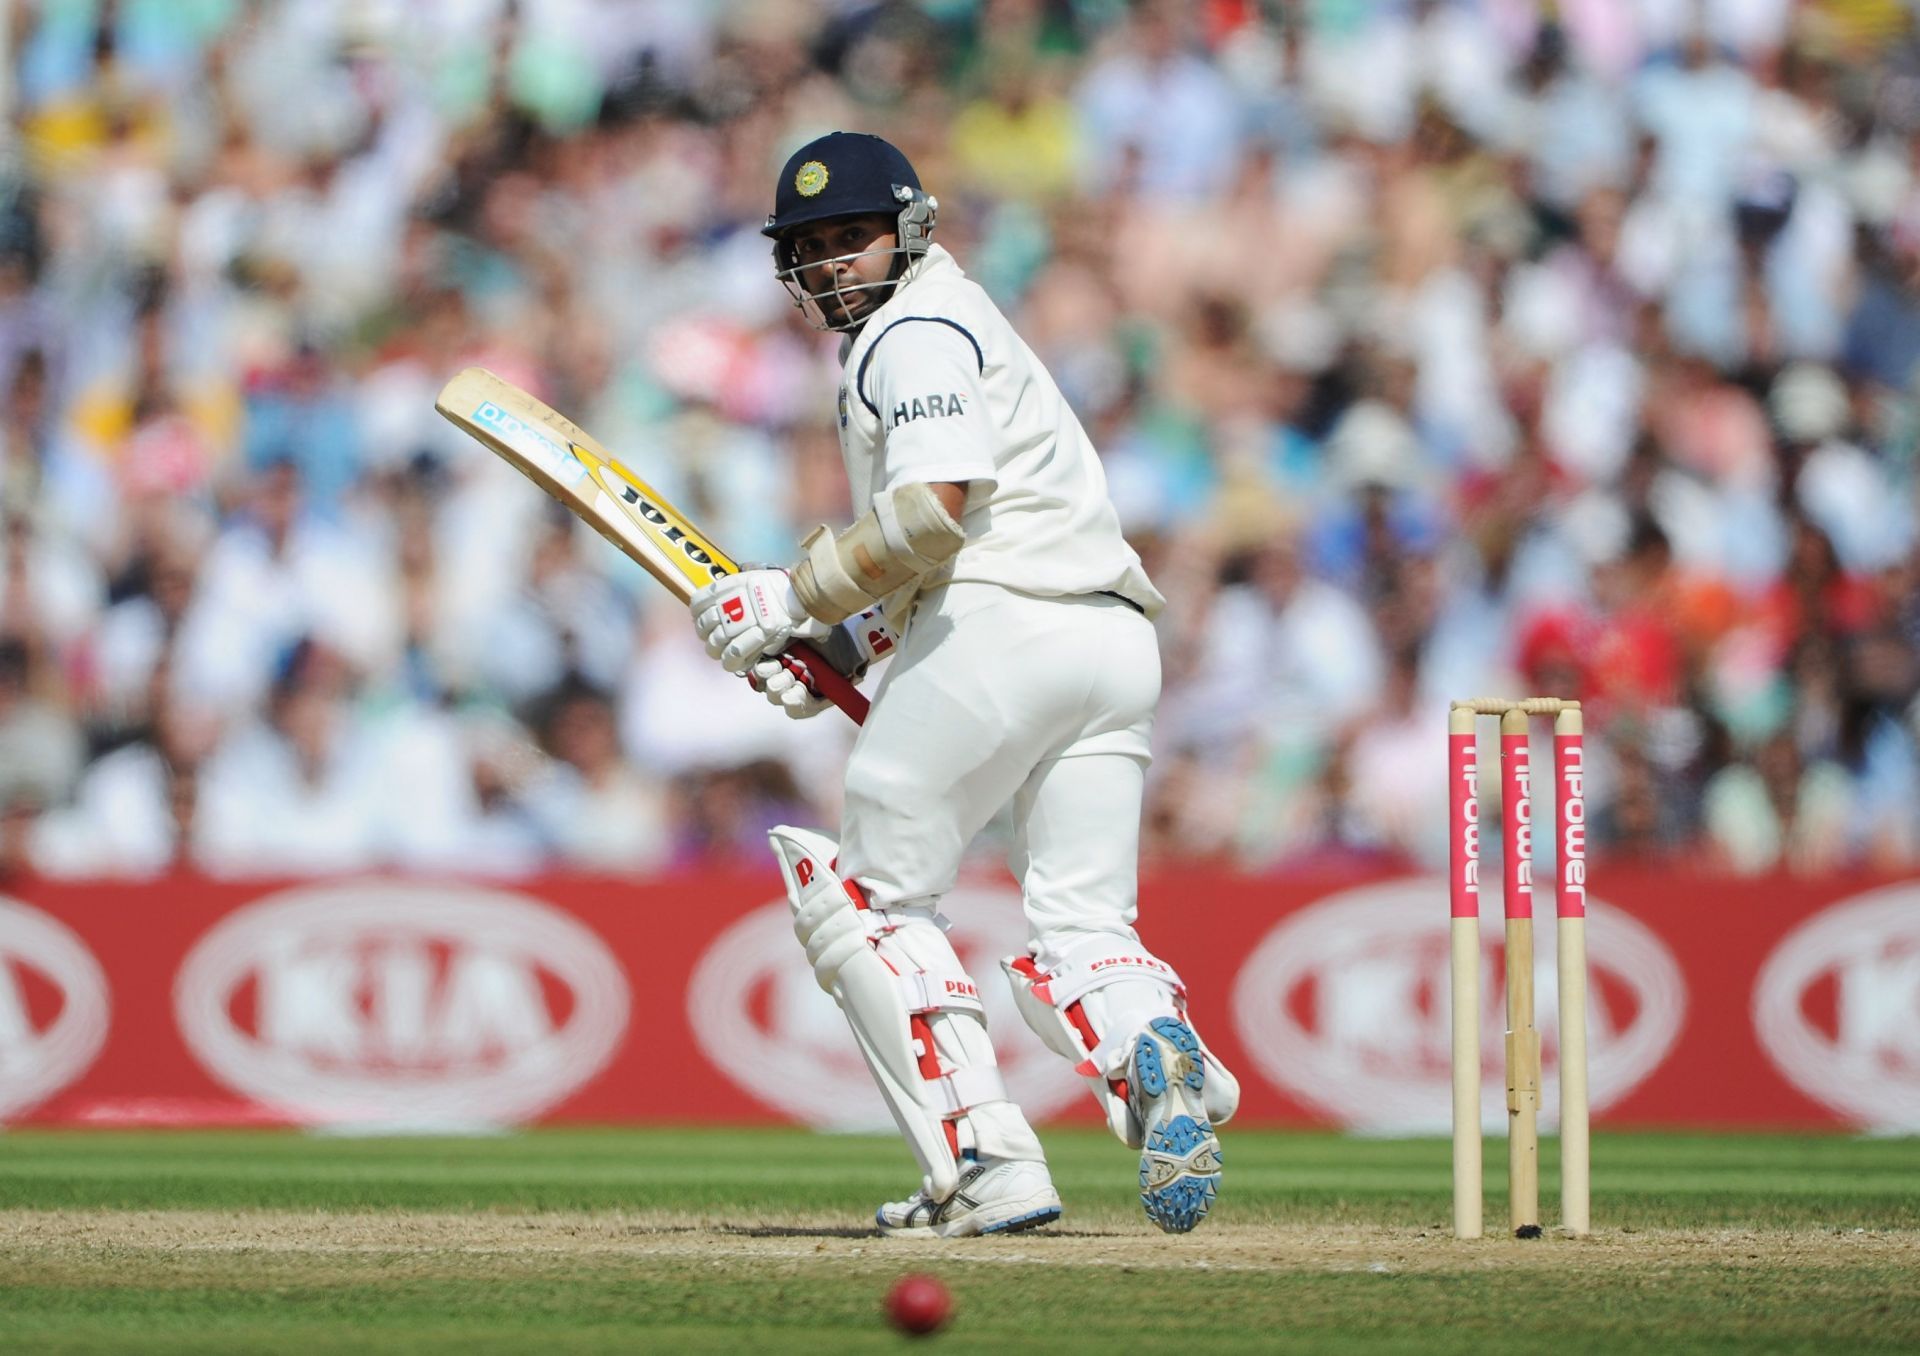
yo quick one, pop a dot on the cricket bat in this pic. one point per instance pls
(562, 459)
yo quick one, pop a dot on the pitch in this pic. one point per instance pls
(692, 1239)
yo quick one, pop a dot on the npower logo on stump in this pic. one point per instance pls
(1344, 1005)
(1837, 1008)
(400, 1004)
(53, 1007)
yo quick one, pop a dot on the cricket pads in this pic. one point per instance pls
(896, 977)
(1067, 995)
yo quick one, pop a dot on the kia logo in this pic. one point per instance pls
(1837, 1008)
(402, 1004)
(763, 1020)
(1344, 1006)
(53, 1007)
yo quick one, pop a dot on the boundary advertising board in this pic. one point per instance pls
(410, 1003)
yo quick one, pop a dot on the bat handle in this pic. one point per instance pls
(834, 685)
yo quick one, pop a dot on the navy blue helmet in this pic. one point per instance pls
(842, 174)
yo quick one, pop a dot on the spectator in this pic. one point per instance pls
(41, 750)
(1157, 115)
(1431, 348)
(135, 811)
(298, 790)
(597, 810)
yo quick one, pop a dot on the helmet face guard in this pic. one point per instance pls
(833, 307)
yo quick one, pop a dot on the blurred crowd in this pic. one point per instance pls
(1434, 348)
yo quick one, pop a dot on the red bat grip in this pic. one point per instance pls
(833, 684)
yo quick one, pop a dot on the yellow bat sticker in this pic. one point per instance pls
(692, 555)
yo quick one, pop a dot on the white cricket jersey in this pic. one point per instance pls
(938, 387)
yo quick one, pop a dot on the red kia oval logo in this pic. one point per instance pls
(1837, 1008)
(1344, 1006)
(391, 1003)
(53, 1007)
(759, 1015)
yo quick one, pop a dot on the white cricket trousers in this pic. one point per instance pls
(997, 696)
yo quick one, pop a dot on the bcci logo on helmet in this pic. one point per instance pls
(810, 179)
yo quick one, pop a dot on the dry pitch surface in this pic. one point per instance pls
(744, 1241)
(81, 1238)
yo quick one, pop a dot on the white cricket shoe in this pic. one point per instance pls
(1001, 1196)
(1180, 1156)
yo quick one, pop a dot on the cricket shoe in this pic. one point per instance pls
(1002, 1196)
(1180, 1154)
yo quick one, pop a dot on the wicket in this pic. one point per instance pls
(1523, 1040)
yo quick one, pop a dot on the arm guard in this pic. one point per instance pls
(905, 534)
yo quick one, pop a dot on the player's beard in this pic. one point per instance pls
(851, 306)
(844, 306)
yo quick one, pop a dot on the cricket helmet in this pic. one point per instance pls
(847, 174)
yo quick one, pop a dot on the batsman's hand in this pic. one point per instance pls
(747, 616)
(787, 682)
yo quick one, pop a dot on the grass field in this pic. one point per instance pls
(705, 1241)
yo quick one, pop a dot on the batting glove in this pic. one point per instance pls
(787, 682)
(747, 616)
(787, 679)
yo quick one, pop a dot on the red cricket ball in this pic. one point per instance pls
(918, 1304)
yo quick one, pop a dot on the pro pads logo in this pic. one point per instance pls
(53, 1007)
(1343, 1005)
(531, 442)
(402, 1004)
(761, 1018)
(1837, 1008)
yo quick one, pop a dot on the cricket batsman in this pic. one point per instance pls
(986, 558)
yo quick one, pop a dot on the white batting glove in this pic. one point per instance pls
(787, 679)
(747, 616)
(786, 682)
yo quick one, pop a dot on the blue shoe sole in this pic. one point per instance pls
(1022, 1223)
(1180, 1161)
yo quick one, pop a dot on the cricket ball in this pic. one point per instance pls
(918, 1304)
